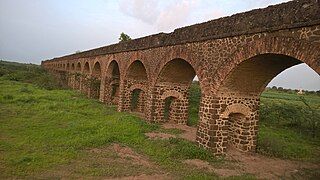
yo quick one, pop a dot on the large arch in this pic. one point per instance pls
(85, 79)
(77, 76)
(136, 74)
(78, 68)
(174, 78)
(73, 67)
(112, 83)
(240, 80)
(95, 81)
(86, 68)
(300, 50)
(137, 71)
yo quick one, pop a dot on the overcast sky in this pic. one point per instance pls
(34, 30)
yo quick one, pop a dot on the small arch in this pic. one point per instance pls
(172, 93)
(86, 68)
(96, 72)
(177, 71)
(68, 66)
(112, 82)
(175, 80)
(236, 108)
(137, 86)
(72, 67)
(78, 68)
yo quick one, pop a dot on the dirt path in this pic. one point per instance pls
(269, 168)
(242, 163)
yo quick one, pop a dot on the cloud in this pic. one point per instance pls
(144, 10)
(175, 15)
(163, 16)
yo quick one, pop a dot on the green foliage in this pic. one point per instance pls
(135, 98)
(28, 73)
(43, 129)
(167, 105)
(289, 123)
(124, 37)
(194, 102)
(286, 143)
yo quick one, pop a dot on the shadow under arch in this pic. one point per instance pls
(135, 87)
(176, 76)
(283, 51)
(95, 81)
(112, 83)
(77, 76)
(243, 85)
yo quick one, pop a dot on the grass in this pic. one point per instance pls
(285, 124)
(41, 129)
(45, 129)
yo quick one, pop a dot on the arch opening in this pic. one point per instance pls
(86, 68)
(168, 109)
(242, 87)
(172, 89)
(253, 75)
(136, 78)
(77, 77)
(78, 68)
(137, 100)
(112, 82)
(95, 81)
(137, 71)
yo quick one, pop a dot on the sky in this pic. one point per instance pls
(35, 30)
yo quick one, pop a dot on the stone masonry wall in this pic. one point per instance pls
(214, 50)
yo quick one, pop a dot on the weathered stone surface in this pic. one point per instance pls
(234, 58)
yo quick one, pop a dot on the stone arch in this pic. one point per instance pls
(78, 68)
(68, 66)
(95, 81)
(137, 71)
(96, 71)
(236, 108)
(86, 82)
(136, 75)
(283, 47)
(138, 86)
(72, 67)
(77, 76)
(112, 83)
(137, 96)
(177, 71)
(86, 68)
(172, 93)
(174, 80)
(242, 77)
(171, 107)
(237, 118)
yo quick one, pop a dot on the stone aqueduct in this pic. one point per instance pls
(234, 58)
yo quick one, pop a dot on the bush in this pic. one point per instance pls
(29, 73)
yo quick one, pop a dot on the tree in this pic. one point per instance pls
(124, 37)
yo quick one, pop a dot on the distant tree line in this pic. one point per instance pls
(293, 91)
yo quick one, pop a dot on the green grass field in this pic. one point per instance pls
(45, 130)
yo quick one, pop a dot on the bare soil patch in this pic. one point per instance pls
(268, 168)
(111, 162)
(189, 133)
(147, 177)
(159, 135)
(262, 167)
